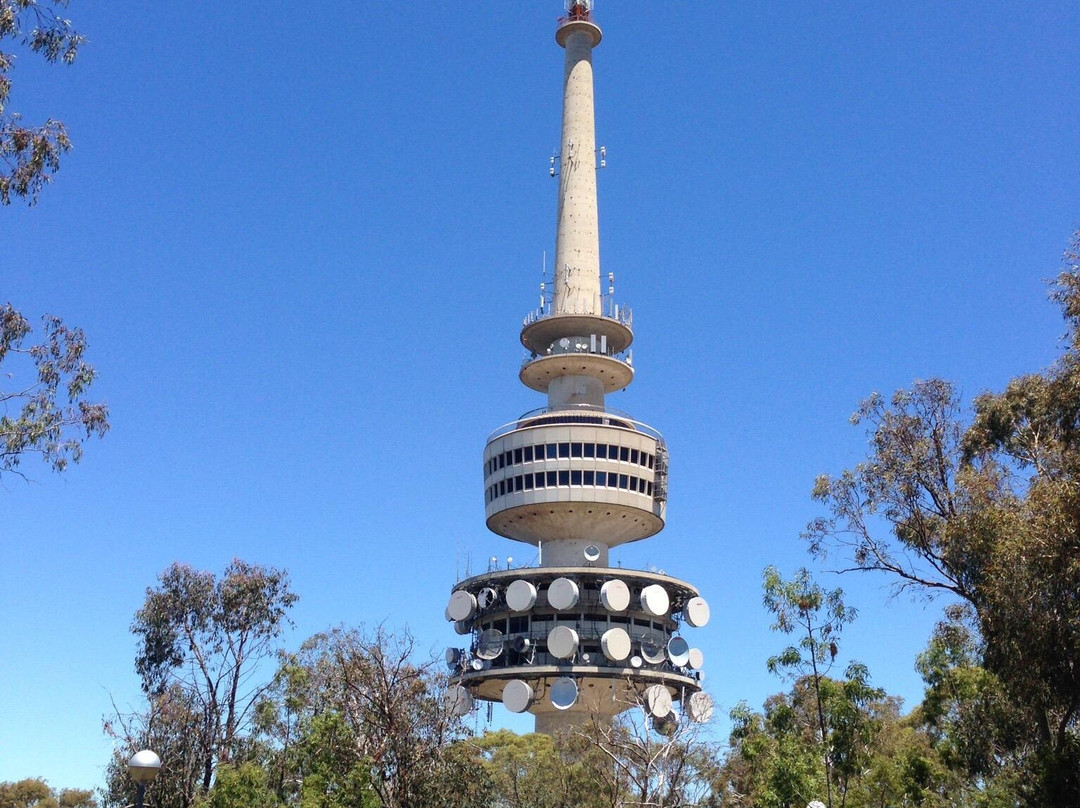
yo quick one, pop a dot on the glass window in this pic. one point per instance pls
(528, 482)
(551, 455)
(539, 480)
(528, 454)
(650, 463)
(519, 625)
(650, 489)
(502, 488)
(590, 478)
(517, 456)
(502, 460)
(551, 480)
(564, 478)
(601, 451)
(624, 453)
(601, 478)
(564, 450)
(633, 483)
(575, 450)
(575, 478)
(590, 450)
(634, 456)
(624, 480)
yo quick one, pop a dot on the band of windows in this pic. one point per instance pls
(555, 451)
(561, 479)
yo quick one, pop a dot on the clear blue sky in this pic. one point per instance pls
(301, 240)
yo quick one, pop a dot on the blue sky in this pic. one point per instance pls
(301, 241)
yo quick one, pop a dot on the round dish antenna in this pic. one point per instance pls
(563, 594)
(517, 696)
(697, 612)
(462, 605)
(700, 707)
(592, 553)
(655, 600)
(696, 659)
(463, 627)
(658, 700)
(487, 597)
(520, 596)
(457, 700)
(615, 595)
(562, 642)
(564, 693)
(453, 658)
(635, 661)
(678, 651)
(521, 644)
(615, 643)
(652, 652)
(490, 644)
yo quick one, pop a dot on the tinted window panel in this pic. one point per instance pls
(564, 478)
(575, 478)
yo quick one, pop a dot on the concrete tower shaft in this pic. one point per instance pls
(577, 247)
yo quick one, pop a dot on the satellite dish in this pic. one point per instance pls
(563, 594)
(700, 707)
(635, 661)
(490, 644)
(446, 613)
(520, 596)
(615, 643)
(696, 612)
(655, 600)
(463, 627)
(592, 553)
(457, 700)
(462, 605)
(562, 642)
(453, 658)
(696, 659)
(678, 651)
(651, 651)
(487, 597)
(564, 693)
(658, 700)
(517, 696)
(668, 721)
(521, 644)
(479, 664)
(615, 595)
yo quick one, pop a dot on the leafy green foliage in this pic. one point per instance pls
(243, 786)
(201, 642)
(35, 793)
(988, 511)
(29, 156)
(44, 410)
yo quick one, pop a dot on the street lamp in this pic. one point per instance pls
(143, 768)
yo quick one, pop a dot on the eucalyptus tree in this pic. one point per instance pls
(43, 393)
(30, 155)
(986, 510)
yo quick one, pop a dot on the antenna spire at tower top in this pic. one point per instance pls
(579, 9)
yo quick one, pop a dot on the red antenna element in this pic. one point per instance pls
(579, 10)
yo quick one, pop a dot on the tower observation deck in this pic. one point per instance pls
(575, 638)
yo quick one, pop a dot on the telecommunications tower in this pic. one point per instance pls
(575, 638)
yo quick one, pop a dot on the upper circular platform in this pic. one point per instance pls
(537, 374)
(568, 26)
(539, 334)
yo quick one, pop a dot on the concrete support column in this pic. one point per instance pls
(577, 248)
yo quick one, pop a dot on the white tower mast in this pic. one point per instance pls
(574, 638)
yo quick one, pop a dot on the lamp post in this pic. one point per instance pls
(143, 768)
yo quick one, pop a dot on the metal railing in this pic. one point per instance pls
(623, 315)
(575, 413)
